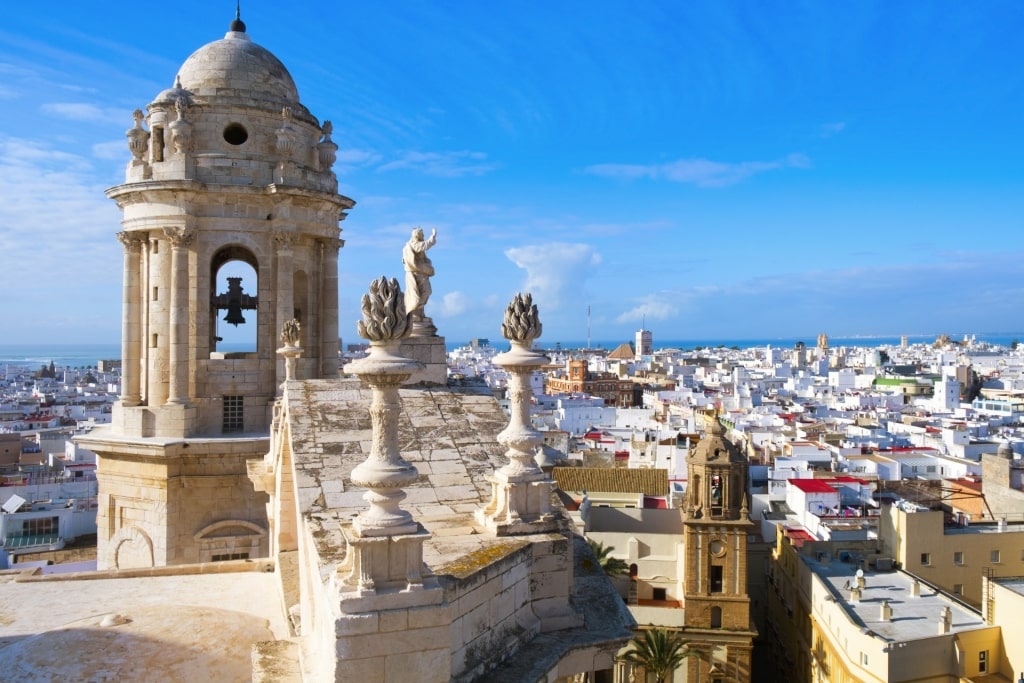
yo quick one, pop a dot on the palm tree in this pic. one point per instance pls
(611, 566)
(659, 651)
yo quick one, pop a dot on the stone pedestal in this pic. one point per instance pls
(385, 572)
(431, 352)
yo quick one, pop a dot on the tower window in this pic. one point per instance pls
(716, 617)
(233, 414)
(235, 134)
(716, 578)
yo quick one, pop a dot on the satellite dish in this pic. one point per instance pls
(860, 573)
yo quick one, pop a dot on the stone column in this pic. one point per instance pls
(131, 319)
(285, 285)
(329, 308)
(520, 491)
(386, 543)
(180, 239)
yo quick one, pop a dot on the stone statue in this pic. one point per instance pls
(418, 271)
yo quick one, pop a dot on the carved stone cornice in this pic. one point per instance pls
(329, 244)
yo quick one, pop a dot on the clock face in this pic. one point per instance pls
(716, 547)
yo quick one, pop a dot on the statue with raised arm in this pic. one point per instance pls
(418, 271)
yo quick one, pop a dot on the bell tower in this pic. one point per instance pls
(230, 218)
(716, 523)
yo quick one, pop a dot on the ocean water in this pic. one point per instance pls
(86, 355)
(1003, 338)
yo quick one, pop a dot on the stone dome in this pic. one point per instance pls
(171, 95)
(714, 448)
(235, 66)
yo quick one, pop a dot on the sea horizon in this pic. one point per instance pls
(87, 355)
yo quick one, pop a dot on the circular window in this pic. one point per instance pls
(236, 134)
(717, 548)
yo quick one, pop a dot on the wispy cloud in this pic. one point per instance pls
(115, 150)
(46, 241)
(556, 271)
(829, 129)
(352, 159)
(442, 164)
(980, 288)
(81, 111)
(453, 304)
(699, 172)
(652, 307)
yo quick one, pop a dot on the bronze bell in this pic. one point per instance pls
(234, 316)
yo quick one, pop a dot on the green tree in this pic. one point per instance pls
(659, 651)
(611, 566)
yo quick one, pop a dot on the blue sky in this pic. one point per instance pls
(722, 170)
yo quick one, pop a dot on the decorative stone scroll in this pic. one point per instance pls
(520, 491)
(180, 236)
(132, 241)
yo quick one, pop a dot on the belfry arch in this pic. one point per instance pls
(234, 286)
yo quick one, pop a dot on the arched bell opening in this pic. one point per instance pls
(234, 315)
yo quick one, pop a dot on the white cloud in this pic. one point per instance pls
(555, 272)
(351, 159)
(453, 304)
(977, 289)
(830, 129)
(56, 225)
(115, 150)
(699, 172)
(442, 164)
(80, 111)
(653, 307)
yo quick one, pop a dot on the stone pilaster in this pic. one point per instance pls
(131, 320)
(180, 239)
(285, 288)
